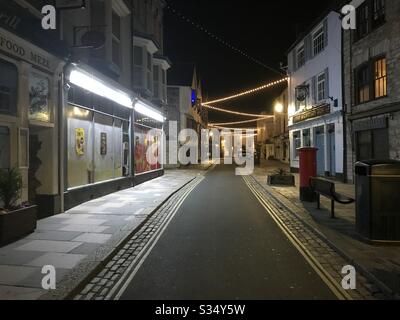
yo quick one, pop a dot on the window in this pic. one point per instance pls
(4, 147)
(8, 88)
(138, 56)
(363, 84)
(380, 78)
(373, 144)
(116, 41)
(362, 20)
(149, 72)
(156, 81)
(164, 84)
(301, 58)
(319, 41)
(138, 66)
(321, 87)
(370, 15)
(371, 80)
(378, 13)
(307, 138)
(296, 143)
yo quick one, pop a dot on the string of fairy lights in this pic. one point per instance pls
(248, 92)
(236, 96)
(219, 39)
(211, 104)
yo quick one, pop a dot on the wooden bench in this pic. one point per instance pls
(327, 189)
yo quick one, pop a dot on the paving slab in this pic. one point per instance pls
(77, 241)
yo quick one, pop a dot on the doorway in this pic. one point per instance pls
(320, 145)
(332, 150)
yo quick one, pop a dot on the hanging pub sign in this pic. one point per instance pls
(39, 108)
(103, 144)
(70, 4)
(80, 141)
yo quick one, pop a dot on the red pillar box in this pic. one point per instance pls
(308, 169)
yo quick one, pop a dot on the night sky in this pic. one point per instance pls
(263, 29)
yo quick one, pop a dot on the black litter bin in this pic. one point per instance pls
(378, 200)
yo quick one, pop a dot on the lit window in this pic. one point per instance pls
(380, 78)
(319, 41)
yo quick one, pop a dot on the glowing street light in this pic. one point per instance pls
(279, 108)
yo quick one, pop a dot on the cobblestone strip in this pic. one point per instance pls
(100, 286)
(318, 246)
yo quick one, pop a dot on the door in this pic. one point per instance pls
(320, 145)
(332, 152)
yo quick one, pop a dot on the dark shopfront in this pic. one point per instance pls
(98, 160)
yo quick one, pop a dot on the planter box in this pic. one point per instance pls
(277, 180)
(17, 224)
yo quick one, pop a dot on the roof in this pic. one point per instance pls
(334, 7)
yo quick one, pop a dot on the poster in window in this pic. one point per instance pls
(80, 141)
(103, 144)
(143, 142)
(39, 109)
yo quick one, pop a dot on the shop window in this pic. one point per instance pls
(39, 94)
(80, 147)
(372, 144)
(380, 78)
(144, 141)
(8, 88)
(4, 147)
(104, 144)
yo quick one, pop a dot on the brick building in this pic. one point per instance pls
(371, 56)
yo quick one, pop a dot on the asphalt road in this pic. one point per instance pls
(222, 245)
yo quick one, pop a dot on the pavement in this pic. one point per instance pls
(378, 262)
(79, 240)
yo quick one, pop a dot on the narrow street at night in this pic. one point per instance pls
(199, 158)
(223, 245)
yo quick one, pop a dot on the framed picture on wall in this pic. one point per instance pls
(39, 108)
(103, 144)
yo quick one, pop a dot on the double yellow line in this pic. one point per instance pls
(332, 284)
(123, 283)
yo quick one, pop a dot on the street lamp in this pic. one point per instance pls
(279, 107)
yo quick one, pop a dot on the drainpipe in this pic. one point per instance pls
(344, 112)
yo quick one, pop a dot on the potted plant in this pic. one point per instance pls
(281, 178)
(16, 220)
